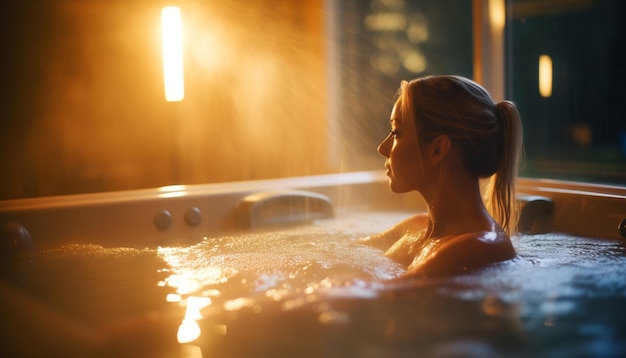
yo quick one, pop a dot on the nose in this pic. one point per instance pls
(385, 146)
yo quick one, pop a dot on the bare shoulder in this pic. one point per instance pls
(464, 252)
(385, 239)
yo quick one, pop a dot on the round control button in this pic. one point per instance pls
(14, 238)
(193, 216)
(163, 219)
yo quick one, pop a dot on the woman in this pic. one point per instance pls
(446, 134)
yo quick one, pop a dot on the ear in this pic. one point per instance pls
(439, 148)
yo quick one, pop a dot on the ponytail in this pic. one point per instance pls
(501, 188)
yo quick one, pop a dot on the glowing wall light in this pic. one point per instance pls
(497, 14)
(172, 37)
(545, 76)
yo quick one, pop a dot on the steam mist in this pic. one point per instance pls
(272, 89)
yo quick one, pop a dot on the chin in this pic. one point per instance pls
(396, 188)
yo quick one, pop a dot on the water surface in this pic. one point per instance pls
(316, 291)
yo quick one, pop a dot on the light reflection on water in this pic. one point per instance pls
(189, 329)
(277, 263)
(293, 267)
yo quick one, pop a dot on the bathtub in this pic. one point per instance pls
(493, 312)
(151, 216)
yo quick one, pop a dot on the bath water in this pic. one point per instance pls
(315, 291)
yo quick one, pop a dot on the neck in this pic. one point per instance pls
(457, 208)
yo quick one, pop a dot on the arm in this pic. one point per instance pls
(385, 239)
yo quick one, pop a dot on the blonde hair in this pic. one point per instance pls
(489, 134)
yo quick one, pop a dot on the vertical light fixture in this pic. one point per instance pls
(172, 39)
(497, 14)
(545, 76)
(489, 20)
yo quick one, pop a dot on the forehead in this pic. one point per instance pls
(396, 117)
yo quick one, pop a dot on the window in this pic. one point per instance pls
(577, 132)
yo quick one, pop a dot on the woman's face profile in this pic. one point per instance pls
(401, 153)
